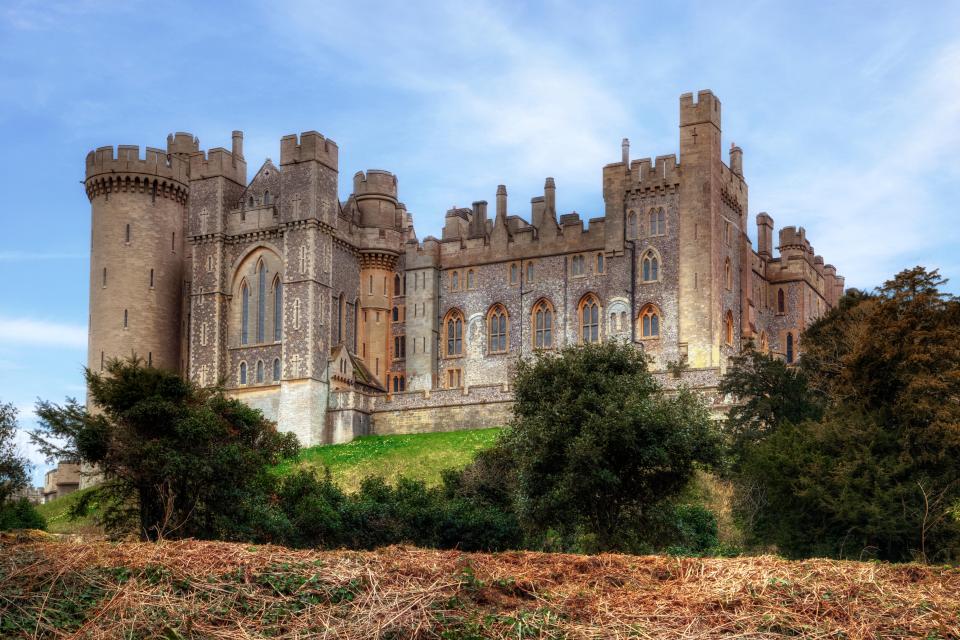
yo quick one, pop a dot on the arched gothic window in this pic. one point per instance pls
(632, 226)
(396, 285)
(589, 314)
(454, 332)
(259, 370)
(650, 322)
(243, 373)
(262, 300)
(658, 222)
(276, 369)
(542, 322)
(651, 267)
(789, 348)
(727, 274)
(781, 301)
(497, 329)
(244, 314)
(277, 310)
(470, 279)
(396, 314)
(729, 328)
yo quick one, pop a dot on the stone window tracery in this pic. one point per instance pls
(632, 226)
(650, 267)
(658, 222)
(649, 322)
(542, 321)
(589, 315)
(453, 330)
(497, 339)
(729, 328)
(781, 301)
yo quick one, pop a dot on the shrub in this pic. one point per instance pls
(20, 514)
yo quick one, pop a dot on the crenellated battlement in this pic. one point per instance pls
(650, 174)
(706, 109)
(218, 162)
(311, 145)
(794, 239)
(183, 143)
(127, 159)
(375, 182)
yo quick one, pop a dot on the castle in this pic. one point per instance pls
(331, 317)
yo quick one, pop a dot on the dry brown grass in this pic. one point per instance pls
(195, 589)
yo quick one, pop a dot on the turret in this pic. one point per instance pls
(137, 256)
(376, 194)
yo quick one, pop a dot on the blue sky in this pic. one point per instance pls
(849, 118)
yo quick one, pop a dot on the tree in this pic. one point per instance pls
(597, 445)
(13, 466)
(770, 392)
(876, 472)
(177, 460)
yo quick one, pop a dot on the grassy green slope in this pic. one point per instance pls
(55, 513)
(421, 456)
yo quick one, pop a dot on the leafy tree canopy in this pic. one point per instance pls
(13, 466)
(177, 460)
(596, 444)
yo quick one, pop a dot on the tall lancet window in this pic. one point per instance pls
(261, 300)
(277, 310)
(244, 314)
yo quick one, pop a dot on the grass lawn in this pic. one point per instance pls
(421, 456)
(55, 513)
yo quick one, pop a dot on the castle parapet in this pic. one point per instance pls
(310, 146)
(126, 159)
(705, 110)
(650, 174)
(218, 162)
(375, 182)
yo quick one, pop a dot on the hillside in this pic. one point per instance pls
(56, 514)
(221, 590)
(420, 456)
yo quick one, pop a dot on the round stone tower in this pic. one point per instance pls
(380, 239)
(137, 257)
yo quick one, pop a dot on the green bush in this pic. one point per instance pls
(20, 514)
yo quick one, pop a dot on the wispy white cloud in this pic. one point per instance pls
(882, 210)
(18, 332)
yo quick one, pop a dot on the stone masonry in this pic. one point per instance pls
(332, 318)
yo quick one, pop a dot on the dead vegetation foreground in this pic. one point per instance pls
(194, 589)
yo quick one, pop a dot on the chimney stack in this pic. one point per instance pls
(736, 159)
(237, 144)
(501, 204)
(550, 198)
(625, 151)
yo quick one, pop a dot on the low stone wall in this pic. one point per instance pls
(442, 410)
(449, 418)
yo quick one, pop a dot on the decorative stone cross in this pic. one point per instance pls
(204, 214)
(295, 362)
